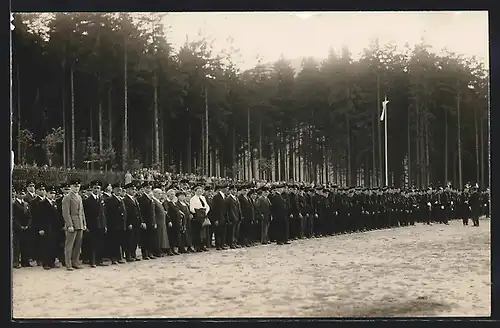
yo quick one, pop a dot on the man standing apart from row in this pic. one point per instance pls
(74, 225)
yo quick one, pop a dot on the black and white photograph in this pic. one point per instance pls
(250, 164)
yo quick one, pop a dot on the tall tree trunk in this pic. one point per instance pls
(291, 151)
(477, 145)
(446, 151)
(207, 147)
(460, 181)
(202, 146)
(375, 115)
(18, 75)
(348, 153)
(249, 145)
(261, 171)
(379, 132)
(417, 142)
(482, 153)
(408, 141)
(189, 142)
(91, 148)
(63, 109)
(110, 119)
(101, 146)
(72, 117)
(233, 151)
(156, 121)
(427, 170)
(162, 141)
(125, 108)
(422, 148)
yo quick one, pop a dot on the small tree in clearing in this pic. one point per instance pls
(50, 142)
(26, 139)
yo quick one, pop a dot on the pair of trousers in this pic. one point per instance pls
(21, 247)
(95, 238)
(73, 247)
(220, 234)
(264, 232)
(233, 231)
(196, 231)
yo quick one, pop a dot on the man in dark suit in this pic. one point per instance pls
(21, 219)
(255, 228)
(36, 238)
(247, 216)
(279, 211)
(46, 224)
(233, 215)
(294, 213)
(149, 239)
(94, 209)
(218, 213)
(135, 225)
(263, 212)
(116, 217)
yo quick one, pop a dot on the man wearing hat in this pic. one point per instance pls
(61, 232)
(247, 216)
(116, 223)
(74, 224)
(46, 224)
(219, 216)
(149, 239)
(30, 191)
(475, 205)
(135, 225)
(233, 213)
(96, 224)
(263, 213)
(21, 222)
(36, 212)
(279, 211)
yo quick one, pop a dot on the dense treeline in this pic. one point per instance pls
(107, 90)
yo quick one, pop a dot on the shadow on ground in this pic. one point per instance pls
(384, 308)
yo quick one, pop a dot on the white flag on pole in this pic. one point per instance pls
(384, 108)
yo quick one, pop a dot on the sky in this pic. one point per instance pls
(296, 35)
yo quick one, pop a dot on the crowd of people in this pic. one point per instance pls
(102, 224)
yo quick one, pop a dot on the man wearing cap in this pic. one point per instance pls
(46, 224)
(21, 219)
(30, 194)
(74, 224)
(247, 216)
(279, 212)
(233, 213)
(263, 213)
(116, 217)
(149, 238)
(475, 205)
(36, 239)
(135, 224)
(61, 232)
(96, 224)
(219, 216)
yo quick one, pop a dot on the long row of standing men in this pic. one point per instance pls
(88, 224)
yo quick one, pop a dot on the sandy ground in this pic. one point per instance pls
(413, 271)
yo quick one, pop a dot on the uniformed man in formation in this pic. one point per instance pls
(110, 224)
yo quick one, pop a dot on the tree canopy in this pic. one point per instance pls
(110, 87)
